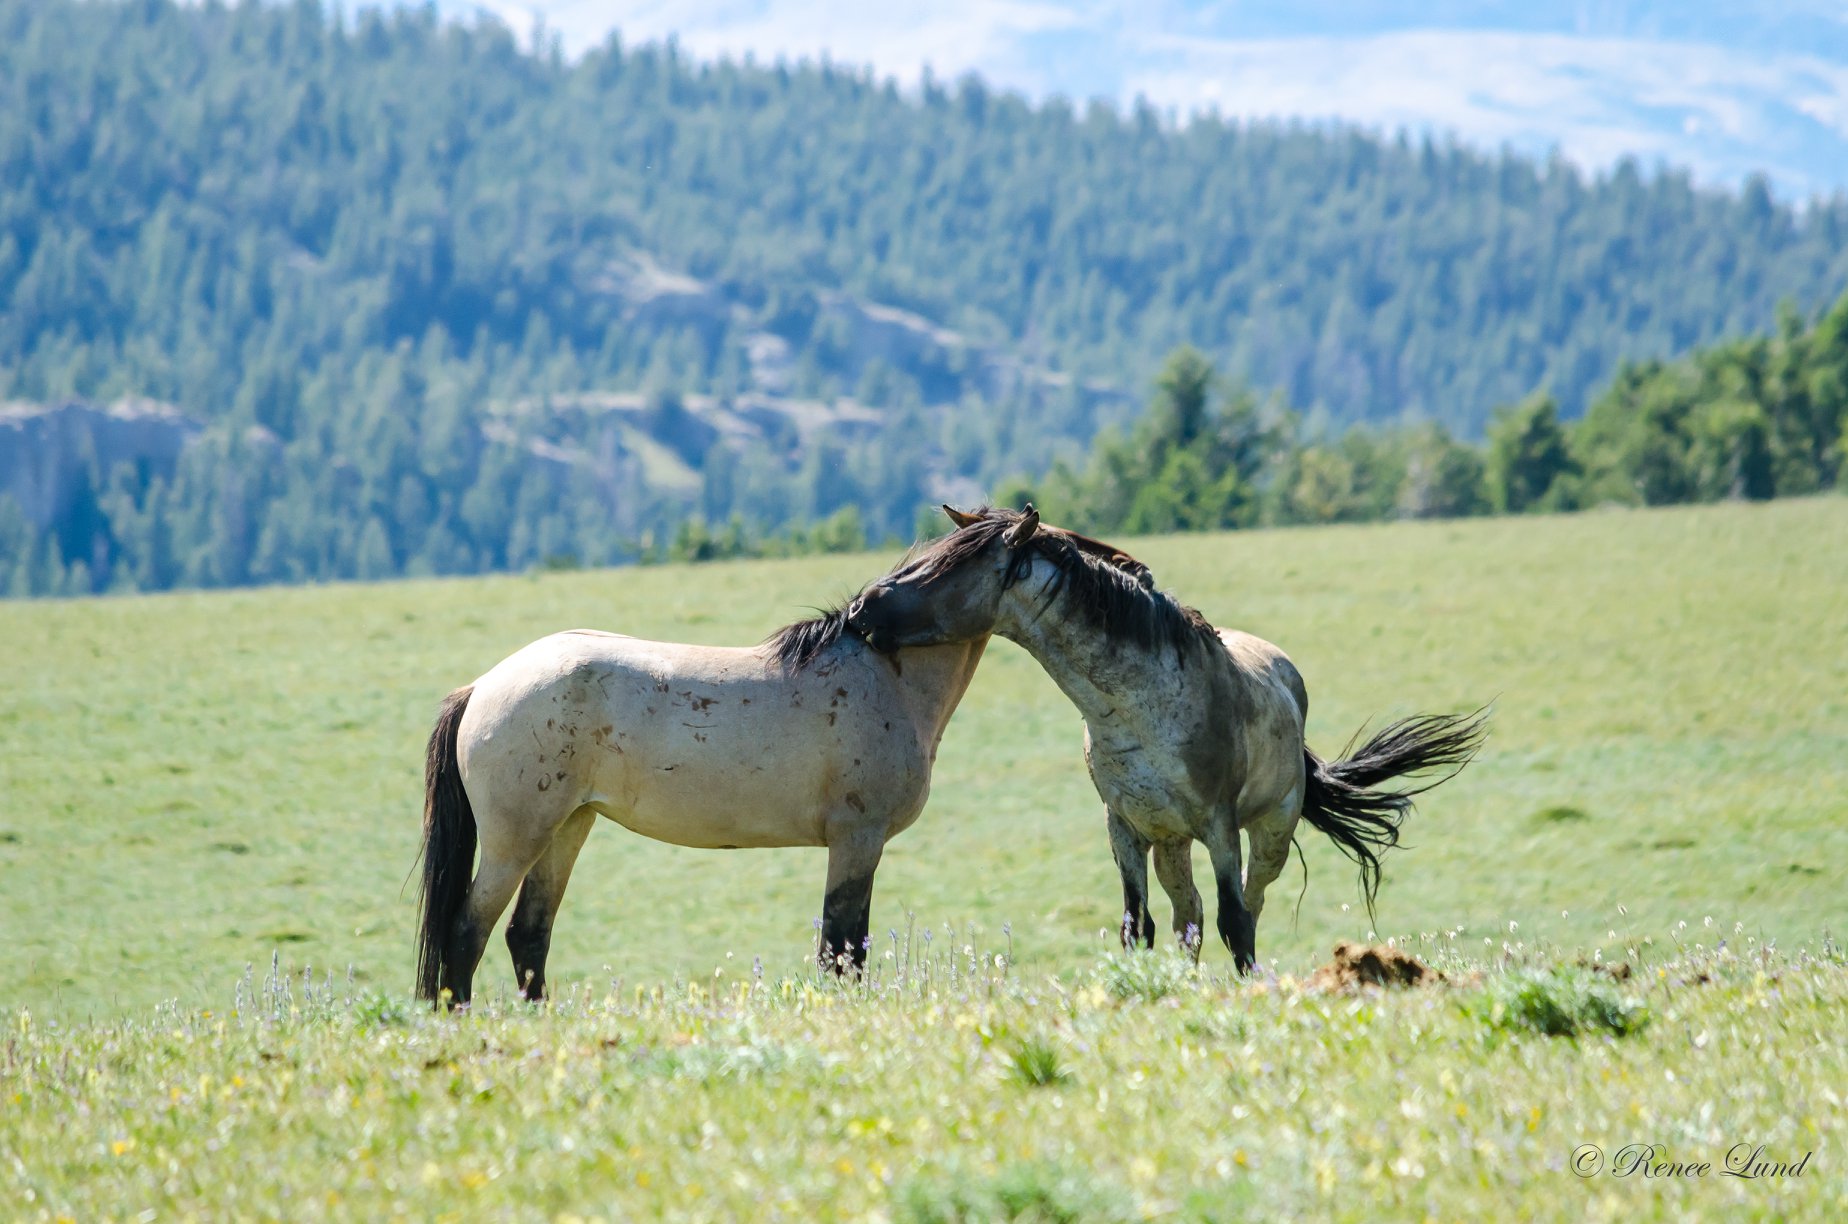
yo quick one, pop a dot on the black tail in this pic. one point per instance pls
(448, 845)
(1342, 799)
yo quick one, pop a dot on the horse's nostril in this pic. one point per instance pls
(856, 610)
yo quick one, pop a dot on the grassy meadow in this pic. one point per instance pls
(195, 786)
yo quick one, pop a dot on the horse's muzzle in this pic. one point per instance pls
(878, 636)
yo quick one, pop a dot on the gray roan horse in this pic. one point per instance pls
(811, 739)
(1191, 733)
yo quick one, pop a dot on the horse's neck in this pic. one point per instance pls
(1112, 684)
(933, 681)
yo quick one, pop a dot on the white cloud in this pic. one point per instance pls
(898, 37)
(1598, 99)
(1722, 110)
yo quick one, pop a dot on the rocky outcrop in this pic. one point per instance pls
(652, 296)
(50, 453)
(843, 334)
(669, 436)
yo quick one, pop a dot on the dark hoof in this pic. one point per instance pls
(1240, 933)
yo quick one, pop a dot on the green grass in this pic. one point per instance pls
(190, 784)
(741, 1099)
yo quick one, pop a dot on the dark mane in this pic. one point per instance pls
(798, 644)
(1108, 596)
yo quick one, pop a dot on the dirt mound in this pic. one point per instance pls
(1357, 966)
(1619, 972)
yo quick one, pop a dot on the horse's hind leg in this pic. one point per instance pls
(1236, 926)
(529, 935)
(487, 900)
(1174, 868)
(1131, 851)
(506, 856)
(1270, 850)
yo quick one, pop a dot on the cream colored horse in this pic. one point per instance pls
(811, 739)
(1191, 733)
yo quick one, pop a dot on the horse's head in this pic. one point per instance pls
(1004, 572)
(956, 588)
(950, 590)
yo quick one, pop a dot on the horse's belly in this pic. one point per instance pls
(716, 823)
(714, 799)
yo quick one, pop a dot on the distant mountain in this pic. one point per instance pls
(438, 304)
(1726, 90)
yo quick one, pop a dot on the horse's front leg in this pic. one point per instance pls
(1131, 851)
(846, 910)
(1174, 868)
(1236, 926)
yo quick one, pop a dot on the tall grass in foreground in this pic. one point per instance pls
(959, 1089)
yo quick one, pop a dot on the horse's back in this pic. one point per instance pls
(1265, 664)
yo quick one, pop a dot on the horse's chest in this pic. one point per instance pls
(1147, 791)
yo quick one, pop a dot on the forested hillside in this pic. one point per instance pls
(407, 298)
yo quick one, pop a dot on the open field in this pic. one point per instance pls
(191, 783)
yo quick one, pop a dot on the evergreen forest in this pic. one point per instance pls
(290, 294)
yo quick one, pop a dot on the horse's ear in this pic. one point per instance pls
(1023, 531)
(958, 517)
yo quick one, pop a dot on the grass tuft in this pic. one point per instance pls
(381, 1010)
(1031, 1193)
(1036, 1064)
(1560, 1002)
(1148, 976)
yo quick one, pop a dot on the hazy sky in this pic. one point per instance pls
(1723, 88)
